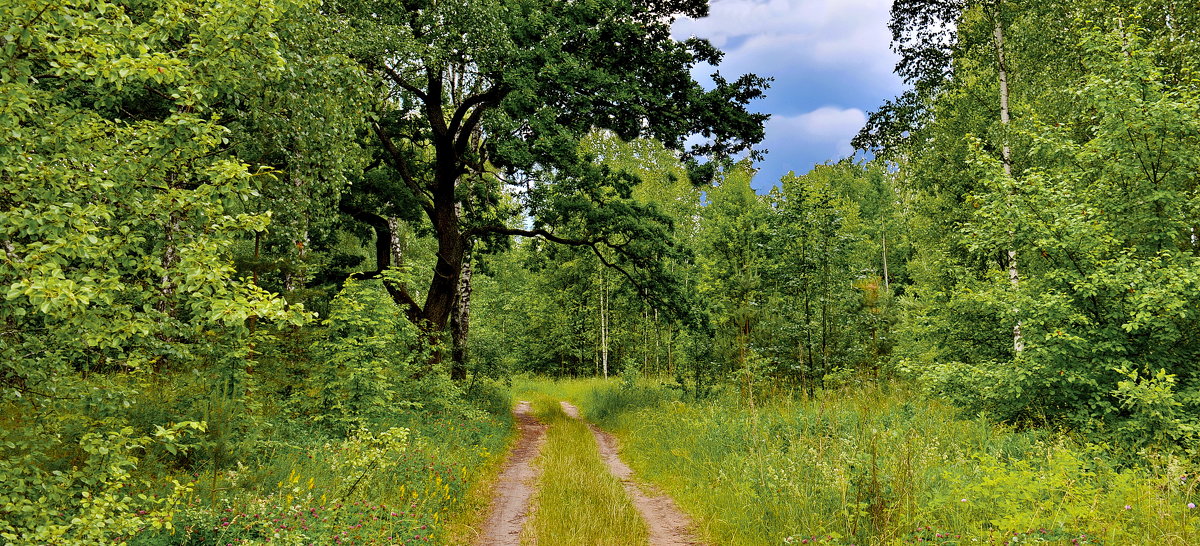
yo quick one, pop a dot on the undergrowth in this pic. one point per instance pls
(337, 434)
(403, 484)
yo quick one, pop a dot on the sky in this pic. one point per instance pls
(831, 63)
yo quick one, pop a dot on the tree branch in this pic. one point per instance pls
(592, 244)
(10, 252)
(383, 259)
(401, 166)
(395, 77)
(433, 103)
(476, 105)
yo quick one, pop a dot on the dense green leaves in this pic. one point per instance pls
(119, 211)
(180, 181)
(1099, 207)
(486, 98)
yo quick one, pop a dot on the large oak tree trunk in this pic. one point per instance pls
(443, 287)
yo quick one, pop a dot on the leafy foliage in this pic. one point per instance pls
(365, 361)
(1100, 212)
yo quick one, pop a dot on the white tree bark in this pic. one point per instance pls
(1006, 160)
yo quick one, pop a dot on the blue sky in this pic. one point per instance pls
(831, 63)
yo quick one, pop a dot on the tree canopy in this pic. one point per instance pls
(484, 97)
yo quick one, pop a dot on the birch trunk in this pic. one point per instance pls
(604, 322)
(887, 287)
(460, 323)
(1006, 160)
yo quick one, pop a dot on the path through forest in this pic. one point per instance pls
(668, 526)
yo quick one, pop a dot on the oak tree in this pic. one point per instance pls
(487, 97)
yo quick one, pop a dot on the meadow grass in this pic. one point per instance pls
(577, 502)
(885, 464)
(575, 391)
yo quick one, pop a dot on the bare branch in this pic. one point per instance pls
(595, 245)
(401, 165)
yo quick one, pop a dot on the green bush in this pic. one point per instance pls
(395, 484)
(362, 362)
(607, 401)
(52, 492)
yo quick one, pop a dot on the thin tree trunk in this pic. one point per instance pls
(460, 323)
(825, 316)
(252, 322)
(169, 258)
(645, 334)
(886, 284)
(657, 342)
(604, 302)
(670, 351)
(398, 242)
(1006, 160)
(167, 288)
(807, 350)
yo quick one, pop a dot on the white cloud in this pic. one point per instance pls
(826, 123)
(799, 142)
(829, 32)
(831, 62)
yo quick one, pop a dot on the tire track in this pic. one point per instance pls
(516, 483)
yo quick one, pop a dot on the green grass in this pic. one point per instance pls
(422, 487)
(883, 464)
(575, 391)
(578, 502)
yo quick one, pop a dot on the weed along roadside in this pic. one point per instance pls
(872, 464)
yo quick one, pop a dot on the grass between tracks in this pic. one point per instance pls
(577, 502)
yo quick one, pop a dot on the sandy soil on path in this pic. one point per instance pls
(668, 525)
(515, 485)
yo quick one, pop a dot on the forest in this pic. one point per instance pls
(279, 271)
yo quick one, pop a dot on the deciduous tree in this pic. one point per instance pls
(493, 96)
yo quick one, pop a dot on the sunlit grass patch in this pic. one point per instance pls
(574, 391)
(883, 464)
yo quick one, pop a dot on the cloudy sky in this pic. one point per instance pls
(831, 64)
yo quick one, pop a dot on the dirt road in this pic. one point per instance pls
(515, 486)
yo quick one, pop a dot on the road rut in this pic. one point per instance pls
(516, 483)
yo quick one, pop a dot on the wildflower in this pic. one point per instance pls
(1128, 507)
(964, 500)
(1191, 505)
